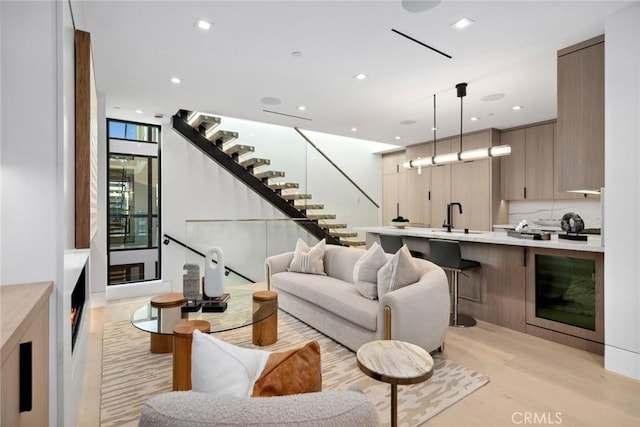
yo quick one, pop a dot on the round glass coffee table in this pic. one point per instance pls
(241, 311)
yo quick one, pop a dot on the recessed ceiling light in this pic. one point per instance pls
(354, 129)
(516, 107)
(360, 76)
(296, 54)
(302, 108)
(202, 24)
(398, 137)
(270, 100)
(139, 111)
(492, 97)
(474, 119)
(408, 122)
(116, 108)
(462, 23)
(175, 80)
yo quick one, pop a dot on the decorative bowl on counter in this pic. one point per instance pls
(400, 222)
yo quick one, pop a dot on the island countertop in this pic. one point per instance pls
(593, 244)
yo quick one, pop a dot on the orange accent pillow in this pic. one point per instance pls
(291, 372)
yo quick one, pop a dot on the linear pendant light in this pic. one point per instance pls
(459, 156)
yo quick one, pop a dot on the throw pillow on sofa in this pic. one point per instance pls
(308, 260)
(365, 271)
(399, 271)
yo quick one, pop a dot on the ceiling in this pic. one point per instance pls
(248, 55)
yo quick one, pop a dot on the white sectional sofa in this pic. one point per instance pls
(418, 313)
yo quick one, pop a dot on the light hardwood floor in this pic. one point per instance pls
(533, 381)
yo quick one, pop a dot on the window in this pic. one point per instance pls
(133, 202)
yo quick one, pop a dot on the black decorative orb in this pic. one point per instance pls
(572, 223)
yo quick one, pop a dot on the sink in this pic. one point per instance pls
(457, 231)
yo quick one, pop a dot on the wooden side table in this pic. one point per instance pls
(182, 340)
(395, 362)
(265, 315)
(169, 314)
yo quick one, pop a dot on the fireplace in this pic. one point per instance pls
(78, 298)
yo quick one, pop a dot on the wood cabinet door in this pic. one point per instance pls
(418, 188)
(440, 187)
(512, 167)
(389, 197)
(579, 149)
(471, 186)
(539, 162)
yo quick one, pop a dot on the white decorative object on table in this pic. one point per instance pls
(213, 274)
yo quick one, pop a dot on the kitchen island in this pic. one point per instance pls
(503, 291)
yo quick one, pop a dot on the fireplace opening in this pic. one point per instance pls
(78, 297)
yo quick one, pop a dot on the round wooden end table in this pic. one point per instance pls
(182, 340)
(395, 362)
(169, 313)
(265, 312)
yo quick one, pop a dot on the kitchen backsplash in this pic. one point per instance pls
(589, 210)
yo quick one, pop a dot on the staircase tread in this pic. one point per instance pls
(342, 234)
(225, 136)
(296, 196)
(327, 226)
(269, 174)
(309, 206)
(255, 161)
(321, 216)
(283, 185)
(239, 149)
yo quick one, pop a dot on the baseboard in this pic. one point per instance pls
(622, 361)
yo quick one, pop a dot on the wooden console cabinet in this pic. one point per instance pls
(25, 354)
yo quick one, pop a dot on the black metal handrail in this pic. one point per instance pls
(336, 167)
(195, 251)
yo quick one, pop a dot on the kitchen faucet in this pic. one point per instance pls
(449, 224)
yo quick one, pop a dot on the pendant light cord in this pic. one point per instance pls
(434, 124)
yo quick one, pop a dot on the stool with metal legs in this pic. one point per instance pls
(392, 244)
(446, 254)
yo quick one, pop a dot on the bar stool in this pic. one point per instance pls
(446, 254)
(392, 244)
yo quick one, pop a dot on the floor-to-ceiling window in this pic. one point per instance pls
(134, 193)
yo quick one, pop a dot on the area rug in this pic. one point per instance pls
(131, 375)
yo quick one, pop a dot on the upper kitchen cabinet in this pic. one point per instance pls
(527, 173)
(579, 148)
(476, 185)
(394, 186)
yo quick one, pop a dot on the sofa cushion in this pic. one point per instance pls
(365, 272)
(340, 260)
(399, 271)
(291, 372)
(331, 294)
(308, 260)
(223, 369)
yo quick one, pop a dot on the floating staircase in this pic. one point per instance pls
(202, 130)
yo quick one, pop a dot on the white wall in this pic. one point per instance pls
(622, 192)
(38, 158)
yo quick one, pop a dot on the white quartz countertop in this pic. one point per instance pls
(593, 244)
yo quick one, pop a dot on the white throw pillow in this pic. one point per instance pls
(223, 369)
(399, 271)
(365, 272)
(308, 260)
